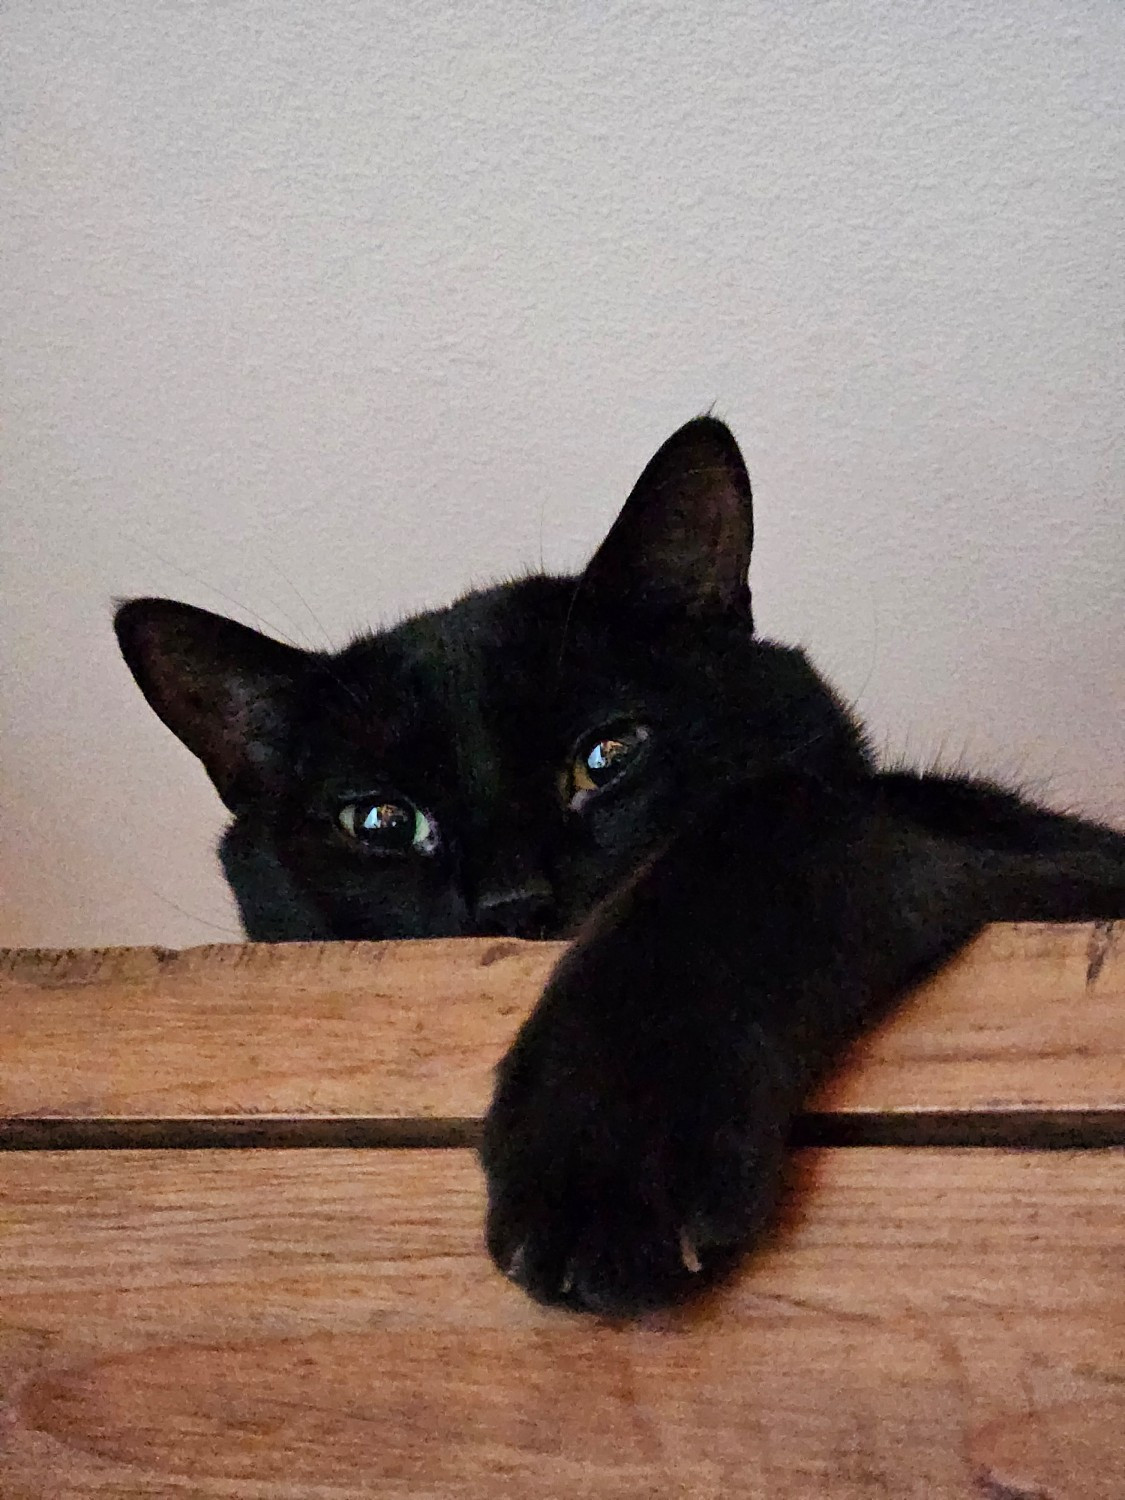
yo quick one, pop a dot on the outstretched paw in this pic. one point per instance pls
(625, 1172)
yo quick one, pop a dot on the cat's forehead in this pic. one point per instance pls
(455, 681)
(500, 635)
(512, 620)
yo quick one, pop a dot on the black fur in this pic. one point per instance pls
(746, 895)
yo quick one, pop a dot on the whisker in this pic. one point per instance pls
(194, 916)
(566, 623)
(874, 603)
(214, 589)
(313, 616)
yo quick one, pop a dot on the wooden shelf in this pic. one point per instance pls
(288, 1323)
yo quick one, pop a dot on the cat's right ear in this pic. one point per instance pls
(683, 538)
(224, 690)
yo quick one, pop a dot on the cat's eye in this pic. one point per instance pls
(599, 761)
(388, 826)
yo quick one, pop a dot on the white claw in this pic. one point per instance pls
(689, 1255)
(514, 1268)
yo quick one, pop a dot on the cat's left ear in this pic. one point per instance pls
(684, 536)
(223, 689)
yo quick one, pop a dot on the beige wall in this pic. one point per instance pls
(315, 312)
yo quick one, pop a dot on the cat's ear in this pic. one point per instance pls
(684, 536)
(221, 688)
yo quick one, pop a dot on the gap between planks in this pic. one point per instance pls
(1029, 1130)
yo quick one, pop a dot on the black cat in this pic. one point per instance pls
(614, 757)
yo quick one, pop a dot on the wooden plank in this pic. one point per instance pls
(925, 1324)
(1029, 1017)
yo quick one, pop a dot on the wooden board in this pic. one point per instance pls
(1028, 1018)
(290, 1325)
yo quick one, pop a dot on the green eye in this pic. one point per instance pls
(389, 827)
(601, 761)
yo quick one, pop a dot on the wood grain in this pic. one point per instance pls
(1028, 1018)
(283, 1325)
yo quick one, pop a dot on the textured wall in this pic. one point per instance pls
(317, 312)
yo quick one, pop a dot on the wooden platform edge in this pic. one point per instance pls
(398, 1040)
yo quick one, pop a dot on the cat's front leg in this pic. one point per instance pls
(634, 1145)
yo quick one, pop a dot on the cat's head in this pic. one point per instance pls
(499, 765)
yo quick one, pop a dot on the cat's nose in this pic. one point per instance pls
(525, 910)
